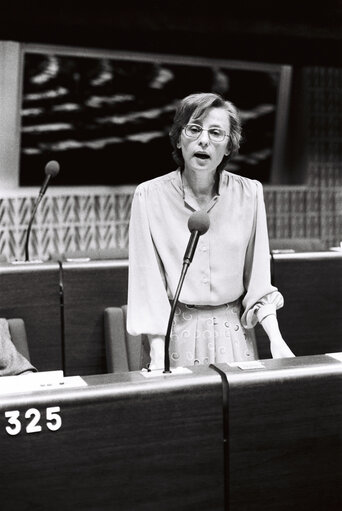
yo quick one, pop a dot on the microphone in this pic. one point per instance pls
(198, 224)
(51, 170)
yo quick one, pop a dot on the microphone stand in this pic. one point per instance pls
(51, 170)
(186, 263)
(27, 258)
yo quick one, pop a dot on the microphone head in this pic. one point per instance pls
(52, 168)
(199, 221)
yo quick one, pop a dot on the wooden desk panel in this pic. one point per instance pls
(89, 288)
(129, 442)
(31, 292)
(311, 320)
(285, 436)
(126, 443)
(311, 283)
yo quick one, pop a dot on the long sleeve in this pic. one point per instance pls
(261, 298)
(232, 259)
(11, 361)
(148, 304)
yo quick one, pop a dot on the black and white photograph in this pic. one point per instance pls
(171, 256)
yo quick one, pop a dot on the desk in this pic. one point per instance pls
(128, 442)
(311, 320)
(285, 436)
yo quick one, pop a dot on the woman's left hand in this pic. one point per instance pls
(280, 349)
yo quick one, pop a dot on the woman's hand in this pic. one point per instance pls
(157, 343)
(280, 349)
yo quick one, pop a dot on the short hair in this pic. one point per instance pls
(197, 105)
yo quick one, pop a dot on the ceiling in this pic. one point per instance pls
(265, 31)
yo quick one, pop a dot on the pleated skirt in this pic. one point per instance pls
(203, 335)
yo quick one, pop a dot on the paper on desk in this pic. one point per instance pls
(253, 364)
(338, 356)
(45, 380)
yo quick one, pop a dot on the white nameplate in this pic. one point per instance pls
(338, 356)
(253, 364)
(45, 380)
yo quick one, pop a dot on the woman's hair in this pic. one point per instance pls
(196, 106)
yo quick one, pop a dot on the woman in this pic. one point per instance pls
(227, 289)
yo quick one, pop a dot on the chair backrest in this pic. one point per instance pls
(124, 352)
(18, 336)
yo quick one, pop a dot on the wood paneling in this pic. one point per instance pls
(311, 319)
(133, 443)
(89, 288)
(285, 426)
(31, 291)
(126, 443)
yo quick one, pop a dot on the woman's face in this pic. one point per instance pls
(203, 153)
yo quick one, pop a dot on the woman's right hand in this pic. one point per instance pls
(280, 349)
(157, 343)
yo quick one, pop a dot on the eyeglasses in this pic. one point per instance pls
(194, 131)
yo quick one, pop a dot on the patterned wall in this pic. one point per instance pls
(64, 223)
(96, 220)
(93, 220)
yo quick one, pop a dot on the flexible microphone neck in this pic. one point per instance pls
(51, 170)
(198, 224)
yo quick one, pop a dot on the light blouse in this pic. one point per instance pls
(231, 262)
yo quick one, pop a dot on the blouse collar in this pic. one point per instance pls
(189, 200)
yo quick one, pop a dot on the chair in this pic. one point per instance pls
(18, 335)
(124, 352)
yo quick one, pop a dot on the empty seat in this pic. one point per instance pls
(124, 352)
